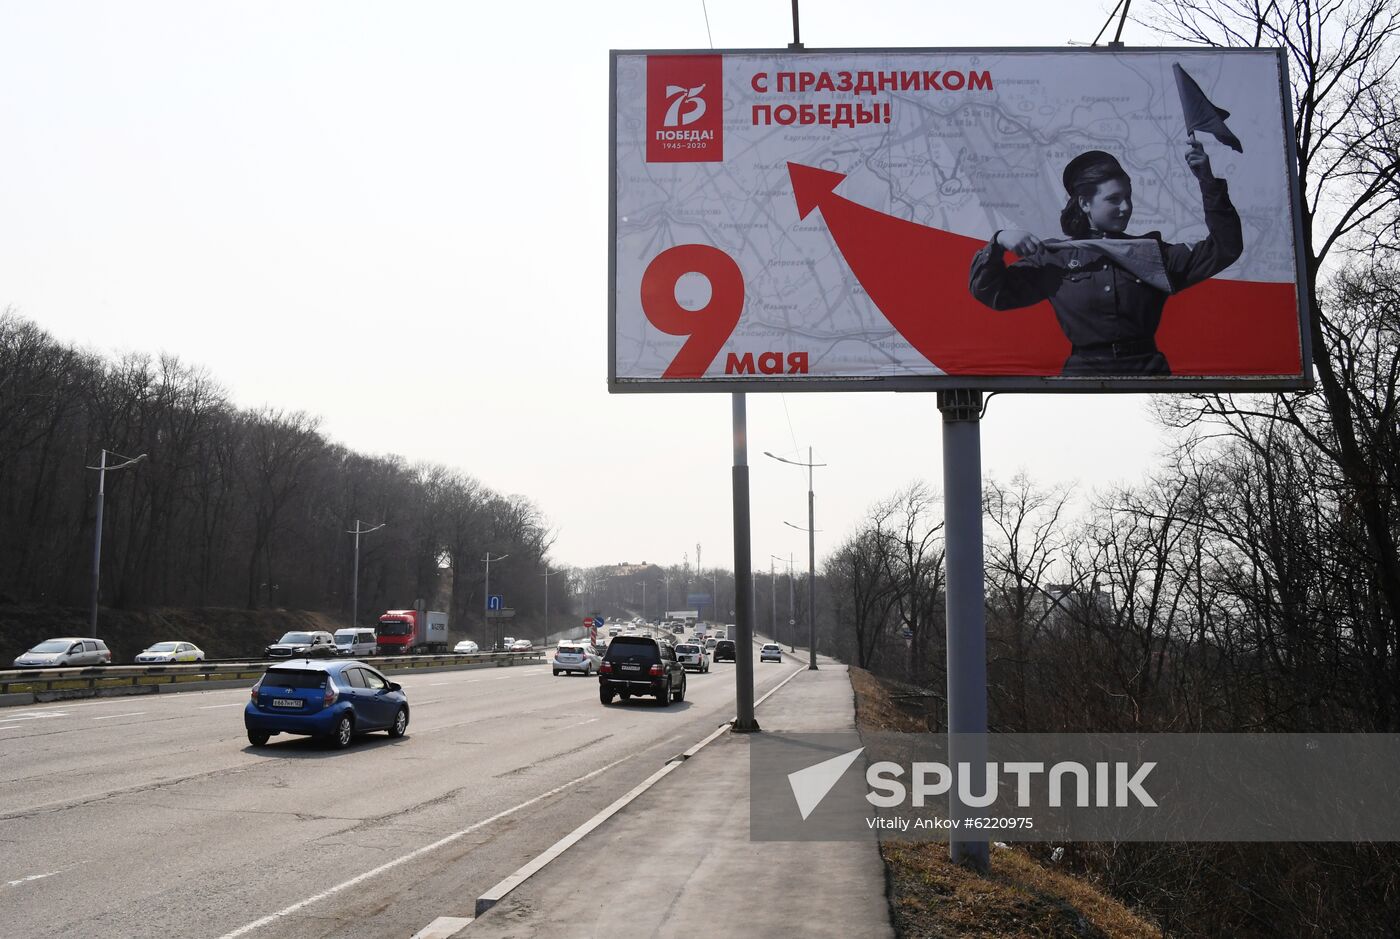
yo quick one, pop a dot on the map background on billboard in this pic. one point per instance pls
(967, 162)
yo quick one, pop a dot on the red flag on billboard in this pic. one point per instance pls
(1200, 113)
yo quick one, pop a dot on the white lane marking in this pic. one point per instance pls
(108, 717)
(472, 681)
(579, 724)
(210, 707)
(242, 930)
(10, 727)
(36, 716)
(25, 880)
(434, 684)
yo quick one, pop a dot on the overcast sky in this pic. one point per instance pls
(394, 216)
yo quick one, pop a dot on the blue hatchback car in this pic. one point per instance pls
(323, 698)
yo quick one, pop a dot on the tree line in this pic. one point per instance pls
(231, 507)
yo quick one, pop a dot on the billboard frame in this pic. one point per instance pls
(1038, 384)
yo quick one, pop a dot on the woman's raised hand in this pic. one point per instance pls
(1198, 161)
(1022, 242)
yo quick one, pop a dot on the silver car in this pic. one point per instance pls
(575, 657)
(770, 652)
(693, 656)
(66, 652)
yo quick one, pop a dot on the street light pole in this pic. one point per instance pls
(792, 613)
(102, 469)
(811, 557)
(357, 531)
(773, 593)
(486, 599)
(547, 574)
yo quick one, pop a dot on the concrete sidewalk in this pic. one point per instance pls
(678, 861)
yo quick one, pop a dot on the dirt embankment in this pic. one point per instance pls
(221, 633)
(1019, 898)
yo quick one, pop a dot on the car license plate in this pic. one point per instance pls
(631, 668)
(286, 703)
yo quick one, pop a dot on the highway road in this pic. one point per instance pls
(152, 816)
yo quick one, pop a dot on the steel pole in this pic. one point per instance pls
(811, 569)
(967, 632)
(355, 581)
(97, 546)
(486, 606)
(773, 595)
(743, 575)
(792, 609)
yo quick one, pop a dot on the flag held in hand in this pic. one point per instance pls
(1200, 113)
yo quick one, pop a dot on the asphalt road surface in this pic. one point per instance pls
(152, 816)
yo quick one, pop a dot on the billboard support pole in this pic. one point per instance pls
(796, 35)
(743, 576)
(967, 628)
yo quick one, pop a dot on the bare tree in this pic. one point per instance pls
(1023, 548)
(1344, 58)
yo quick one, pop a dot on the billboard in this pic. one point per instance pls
(1039, 220)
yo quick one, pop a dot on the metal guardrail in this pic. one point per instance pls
(48, 684)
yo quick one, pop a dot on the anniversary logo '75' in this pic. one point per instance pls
(685, 108)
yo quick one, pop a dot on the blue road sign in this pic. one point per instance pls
(493, 602)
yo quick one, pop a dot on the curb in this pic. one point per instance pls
(497, 893)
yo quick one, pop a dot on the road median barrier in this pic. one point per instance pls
(27, 686)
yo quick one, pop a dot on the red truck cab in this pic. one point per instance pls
(396, 631)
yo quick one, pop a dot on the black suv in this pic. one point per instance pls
(317, 644)
(641, 665)
(725, 651)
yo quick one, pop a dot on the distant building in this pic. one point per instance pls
(1062, 605)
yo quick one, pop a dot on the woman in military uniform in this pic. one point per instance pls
(1107, 287)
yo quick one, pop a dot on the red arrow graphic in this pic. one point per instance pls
(918, 278)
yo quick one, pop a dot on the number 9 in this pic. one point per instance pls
(710, 326)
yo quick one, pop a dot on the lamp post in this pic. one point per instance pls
(102, 469)
(811, 557)
(486, 599)
(547, 574)
(357, 531)
(773, 590)
(644, 600)
(792, 610)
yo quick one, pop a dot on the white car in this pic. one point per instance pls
(466, 647)
(576, 657)
(692, 655)
(171, 652)
(522, 645)
(771, 651)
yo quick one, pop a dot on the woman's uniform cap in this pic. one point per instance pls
(1090, 159)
